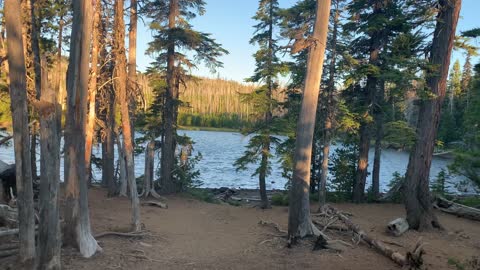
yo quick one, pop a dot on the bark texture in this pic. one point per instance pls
(92, 92)
(375, 46)
(18, 95)
(170, 112)
(77, 231)
(121, 87)
(299, 221)
(49, 246)
(420, 215)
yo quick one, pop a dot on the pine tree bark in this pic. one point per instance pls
(379, 116)
(18, 95)
(121, 87)
(77, 231)
(49, 246)
(170, 111)
(365, 125)
(92, 92)
(107, 115)
(299, 221)
(420, 215)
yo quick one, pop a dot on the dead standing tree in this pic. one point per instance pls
(120, 72)
(299, 221)
(77, 231)
(49, 112)
(18, 95)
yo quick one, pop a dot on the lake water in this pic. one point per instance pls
(221, 149)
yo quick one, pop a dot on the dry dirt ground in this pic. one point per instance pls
(191, 234)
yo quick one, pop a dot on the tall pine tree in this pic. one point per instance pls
(268, 66)
(174, 40)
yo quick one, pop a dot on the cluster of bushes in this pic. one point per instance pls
(223, 120)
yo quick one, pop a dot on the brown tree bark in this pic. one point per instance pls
(420, 215)
(77, 231)
(169, 144)
(365, 125)
(92, 92)
(49, 109)
(18, 95)
(299, 221)
(121, 87)
(379, 118)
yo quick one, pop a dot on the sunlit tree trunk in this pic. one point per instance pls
(49, 246)
(299, 221)
(420, 215)
(92, 92)
(121, 87)
(77, 231)
(169, 144)
(18, 96)
(327, 132)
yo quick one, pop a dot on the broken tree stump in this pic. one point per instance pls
(398, 227)
(456, 209)
(413, 260)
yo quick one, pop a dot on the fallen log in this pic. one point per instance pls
(8, 253)
(9, 246)
(8, 216)
(157, 204)
(413, 260)
(456, 209)
(398, 227)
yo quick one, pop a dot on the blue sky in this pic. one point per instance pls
(230, 23)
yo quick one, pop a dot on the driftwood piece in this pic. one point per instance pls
(8, 216)
(456, 209)
(8, 253)
(398, 227)
(413, 260)
(8, 232)
(153, 203)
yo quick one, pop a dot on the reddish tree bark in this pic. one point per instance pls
(420, 215)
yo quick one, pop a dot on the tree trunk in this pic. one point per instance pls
(108, 148)
(169, 144)
(18, 95)
(49, 226)
(77, 231)
(122, 168)
(378, 115)
(322, 184)
(376, 40)
(92, 93)
(121, 87)
(265, 204)
(418, 204)
(299, 221)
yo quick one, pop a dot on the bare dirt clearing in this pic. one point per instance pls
(195, 235)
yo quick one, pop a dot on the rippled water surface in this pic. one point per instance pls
(221, 149)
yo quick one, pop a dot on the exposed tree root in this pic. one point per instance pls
(273, 225)
(130, 234)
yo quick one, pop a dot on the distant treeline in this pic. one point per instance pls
(212, 103)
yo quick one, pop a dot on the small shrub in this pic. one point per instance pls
(280, 199)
